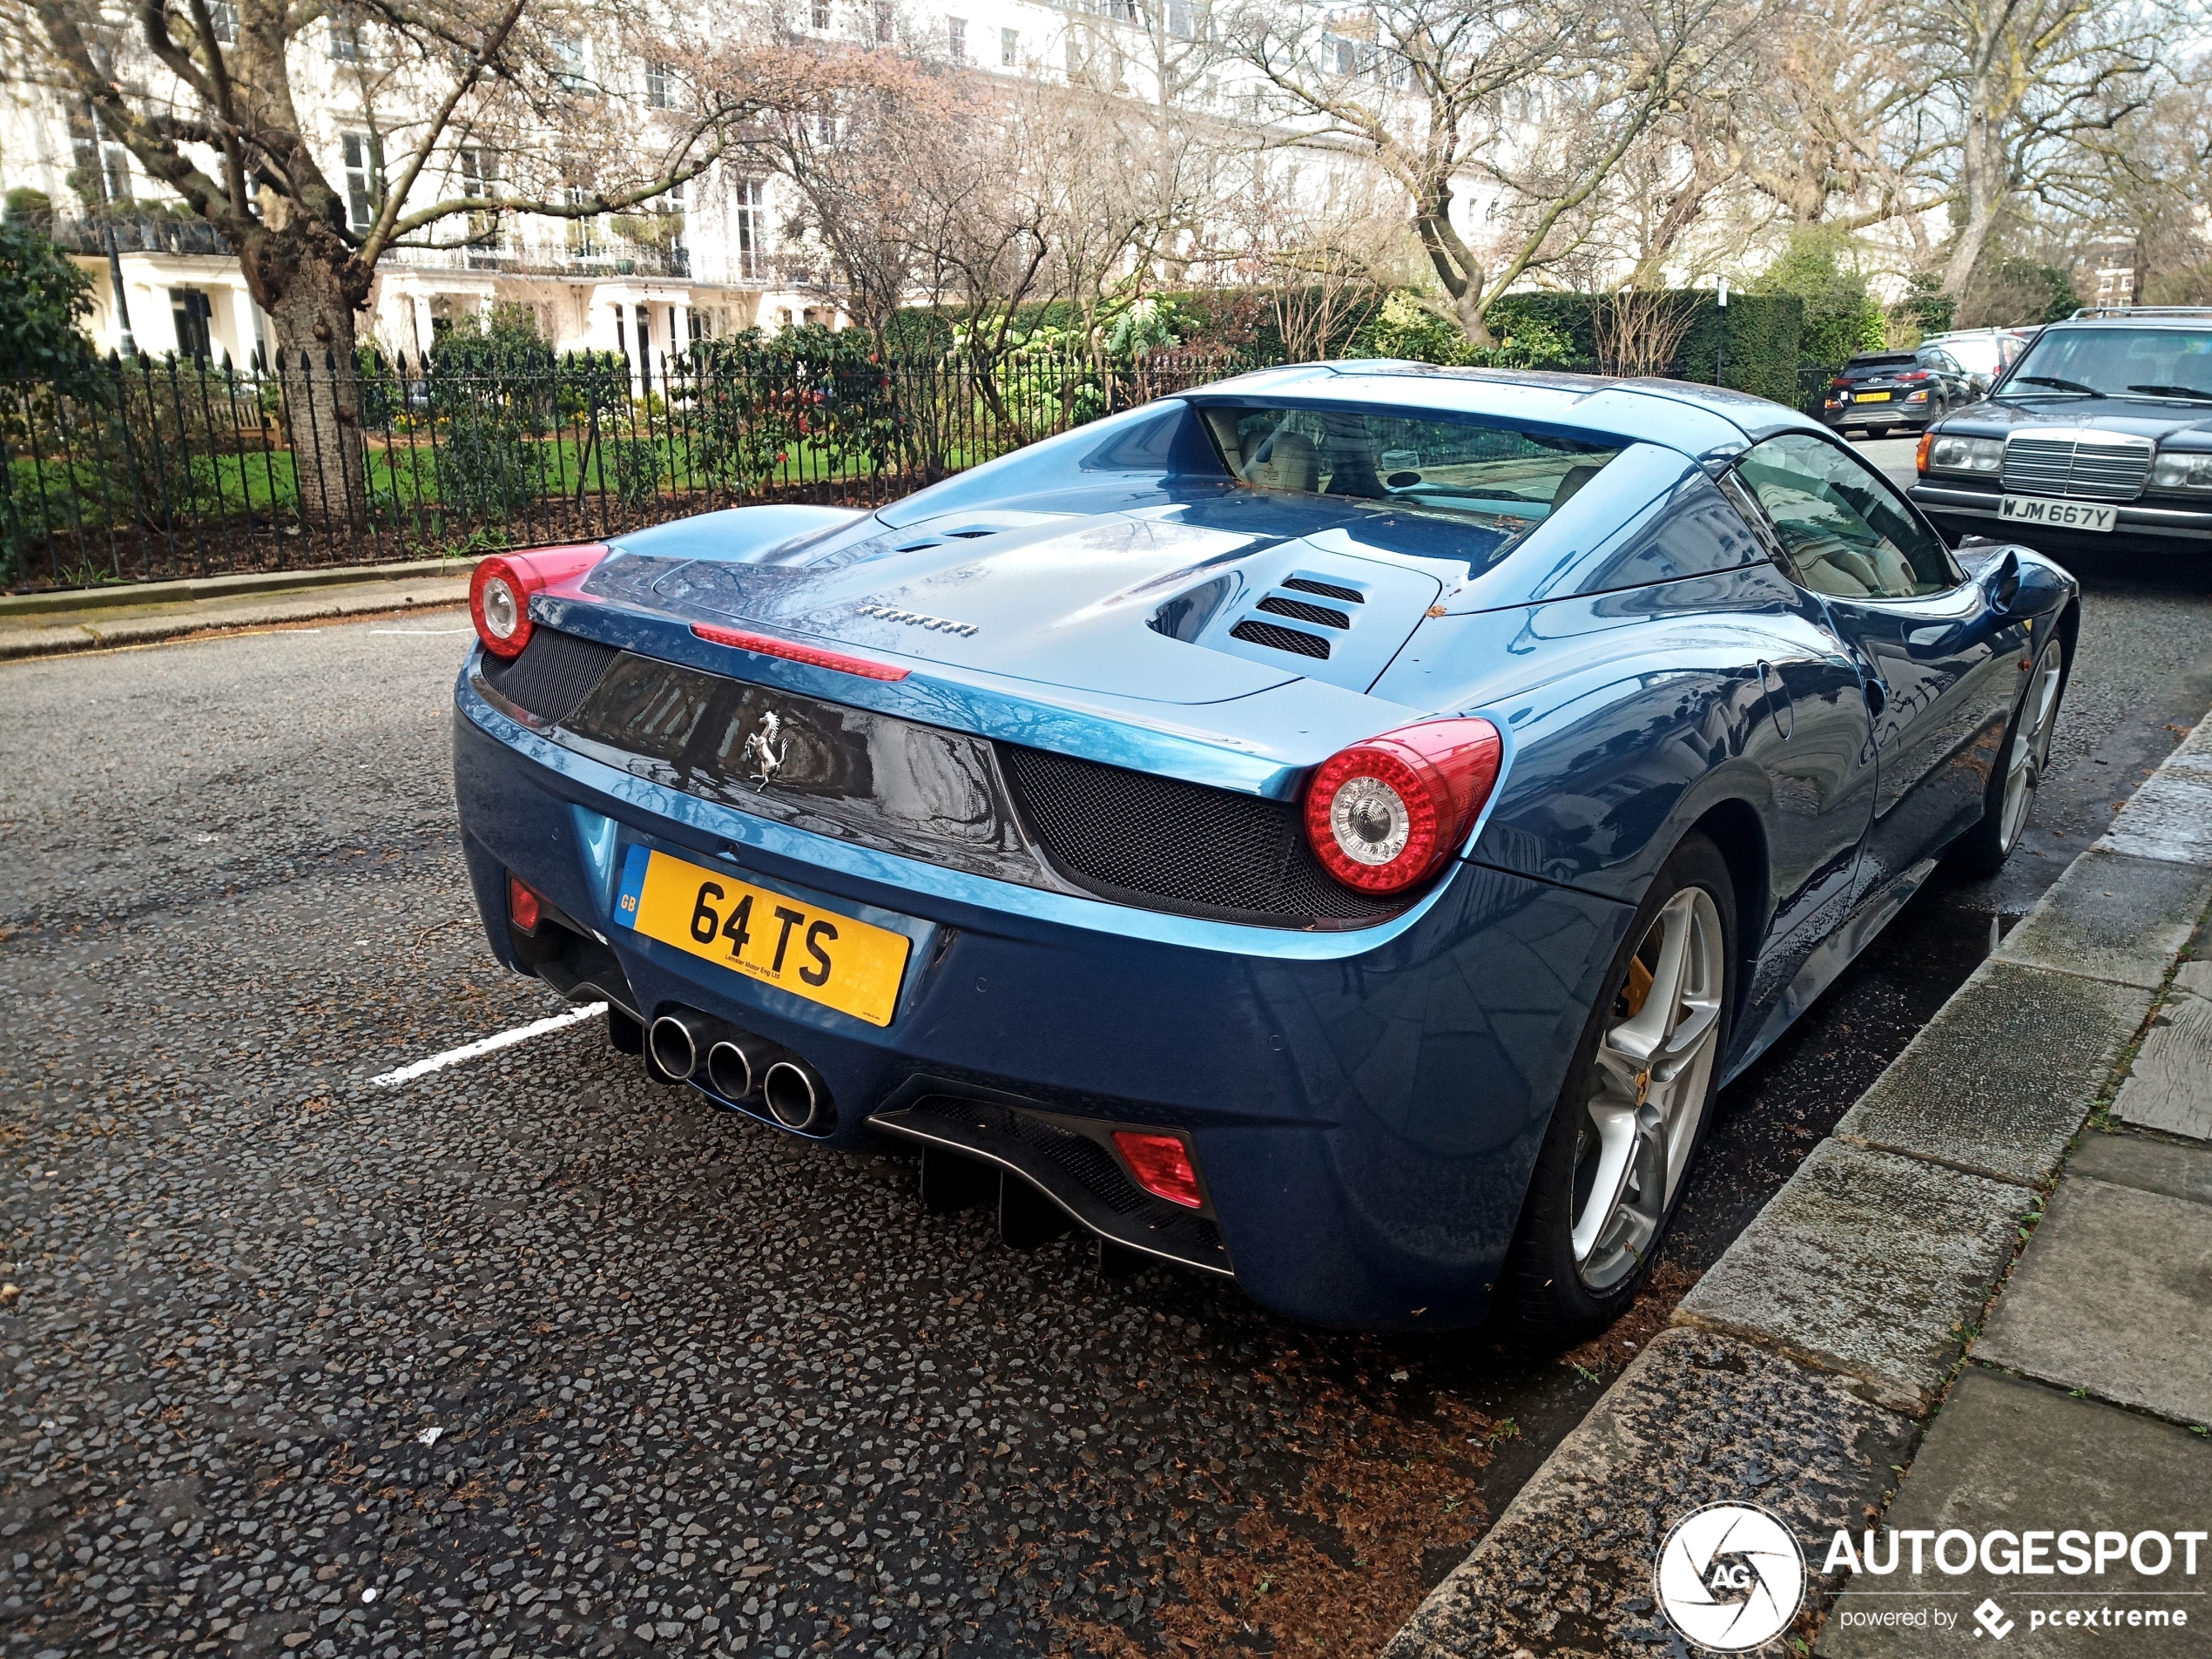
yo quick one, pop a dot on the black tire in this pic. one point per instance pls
(1983, 850)
(1545, 1300)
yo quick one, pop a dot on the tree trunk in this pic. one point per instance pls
(314, 305)
(1982, 183)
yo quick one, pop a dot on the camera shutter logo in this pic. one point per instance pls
(1731, 1576)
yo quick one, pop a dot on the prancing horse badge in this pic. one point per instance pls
(765, 750)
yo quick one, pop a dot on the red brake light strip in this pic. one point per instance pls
(813, 655)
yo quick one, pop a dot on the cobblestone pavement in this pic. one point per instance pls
(531, 1356)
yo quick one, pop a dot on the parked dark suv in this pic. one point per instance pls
(1883, 391)
(2101, 431)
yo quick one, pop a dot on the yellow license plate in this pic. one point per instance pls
(852, 966)
(1872, 397)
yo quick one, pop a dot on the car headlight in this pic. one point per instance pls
(2182, 472)
(1966, 454)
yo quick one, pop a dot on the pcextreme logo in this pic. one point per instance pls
(1730, 1577)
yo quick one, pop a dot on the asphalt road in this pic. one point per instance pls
(533, 1357)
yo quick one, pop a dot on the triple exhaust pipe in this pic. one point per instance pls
(746, 1071)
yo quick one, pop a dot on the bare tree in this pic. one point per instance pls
(205, 94)
(1538, 101)
(2031, 84)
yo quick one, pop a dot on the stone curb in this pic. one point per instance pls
(1800, 1364)
(73, 601)
(28, 638)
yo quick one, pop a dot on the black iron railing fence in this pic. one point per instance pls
(140, 469)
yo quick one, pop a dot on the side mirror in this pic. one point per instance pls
(2001, 582)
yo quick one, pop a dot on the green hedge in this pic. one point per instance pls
(1753, 347)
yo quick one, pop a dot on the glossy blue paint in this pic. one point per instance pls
(1365, 1103)
(1288, 1056)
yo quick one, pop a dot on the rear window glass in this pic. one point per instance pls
(1498, 478)
(1877, 368)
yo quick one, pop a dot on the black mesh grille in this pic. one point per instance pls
(552, 676)
(1166, 845)
(1326, 590)
(1327, 616)
(1290, 639)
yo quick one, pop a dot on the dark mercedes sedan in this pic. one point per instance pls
(2099, 437)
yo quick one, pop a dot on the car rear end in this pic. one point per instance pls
(1134, 998)
(1879, 391)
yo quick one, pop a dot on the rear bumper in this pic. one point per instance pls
(1364, 1107)
(1883, 415)
(1973, 512)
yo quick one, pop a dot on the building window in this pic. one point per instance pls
(1182, 19)
(956, 38)
(346, 39)
(659, 87)
(189, 310)
(222, 21)
(887, 18)
(364, 180)
(1009, 48)
(570, 72)
(818, 14)
(479, 179)
(747, 210)
(1344, 57)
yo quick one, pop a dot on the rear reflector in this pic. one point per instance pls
(1161, 1166)
(522, 904)
(813, 655)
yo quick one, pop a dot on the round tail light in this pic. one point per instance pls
(1386, 814)
(499, 594)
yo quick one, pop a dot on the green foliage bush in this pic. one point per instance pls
(44, 300)
(1820, 268)
(755, 397)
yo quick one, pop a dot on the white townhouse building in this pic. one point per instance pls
(707, 262)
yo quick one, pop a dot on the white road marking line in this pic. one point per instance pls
(421, 633)
(485, 1045)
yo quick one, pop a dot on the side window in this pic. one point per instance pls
(1846, 533)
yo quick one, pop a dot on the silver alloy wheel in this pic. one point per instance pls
(2031, 746)
(1647, 1089)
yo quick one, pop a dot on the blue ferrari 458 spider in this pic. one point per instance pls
(1337, 829)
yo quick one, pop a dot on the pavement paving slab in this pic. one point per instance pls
(1866, 1263)
(1699, 1418)
(2113, 917)
(2114, 1296)
(2169, 816)
(2151, 1165)
(2016, 1456)
(2170, 1085)
(1999, 1080)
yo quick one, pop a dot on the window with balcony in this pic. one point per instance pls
(364, 157)
(747, 211)
(1009, 48)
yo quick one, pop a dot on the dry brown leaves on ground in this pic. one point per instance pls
(1338, 1565)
